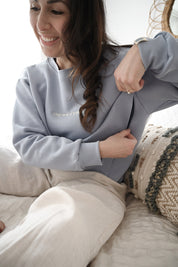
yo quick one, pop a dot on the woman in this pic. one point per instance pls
(73, 122)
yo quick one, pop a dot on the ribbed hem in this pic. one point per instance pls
(89, 155)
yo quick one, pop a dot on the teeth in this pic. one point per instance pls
(48, 39)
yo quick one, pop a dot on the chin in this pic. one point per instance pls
(51, 53)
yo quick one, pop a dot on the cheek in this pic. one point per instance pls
(33, 22)
(62, 29)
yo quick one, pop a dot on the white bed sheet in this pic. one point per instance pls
(142, 240)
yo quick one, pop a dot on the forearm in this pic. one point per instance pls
(160, 55)
(53, 152)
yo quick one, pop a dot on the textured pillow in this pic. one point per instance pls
(153, 174)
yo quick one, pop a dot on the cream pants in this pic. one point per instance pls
(67, 224)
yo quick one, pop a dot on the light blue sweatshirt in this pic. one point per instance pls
(47, 129)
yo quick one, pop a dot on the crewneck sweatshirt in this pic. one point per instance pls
(47, 130)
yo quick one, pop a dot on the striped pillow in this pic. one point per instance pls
(153, 174)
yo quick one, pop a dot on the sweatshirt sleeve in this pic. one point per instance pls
(37, 146)
(160, 59)
(160, 55)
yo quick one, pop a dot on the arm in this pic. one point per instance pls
(159, 55)
(37, 146)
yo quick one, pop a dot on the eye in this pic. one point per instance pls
(55, 12)
(34, 8)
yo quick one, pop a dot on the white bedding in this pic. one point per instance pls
(142, 240)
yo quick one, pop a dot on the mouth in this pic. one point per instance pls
(48, 41)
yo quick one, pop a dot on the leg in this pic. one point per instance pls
(17, 178)
(67, 225)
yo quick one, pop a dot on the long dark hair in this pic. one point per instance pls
(87, 42)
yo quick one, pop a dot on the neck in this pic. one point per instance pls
(64, 63)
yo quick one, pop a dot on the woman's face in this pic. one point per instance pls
(49, 19)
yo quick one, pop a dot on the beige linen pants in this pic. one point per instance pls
(68, 222)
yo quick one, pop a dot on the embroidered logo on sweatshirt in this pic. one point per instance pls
(65, 114)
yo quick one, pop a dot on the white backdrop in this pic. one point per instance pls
(18, 48)
(127, 19)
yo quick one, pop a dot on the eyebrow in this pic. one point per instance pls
(52, 1)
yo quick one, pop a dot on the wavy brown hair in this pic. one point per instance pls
(87, 42)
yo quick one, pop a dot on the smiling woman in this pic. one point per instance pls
(49, 21)
(76, 131)
(18, 49)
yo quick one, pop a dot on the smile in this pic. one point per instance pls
(46, 41)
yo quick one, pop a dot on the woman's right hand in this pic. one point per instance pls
(128, 75)
(120, 145)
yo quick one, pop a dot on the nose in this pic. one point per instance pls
(43, 23)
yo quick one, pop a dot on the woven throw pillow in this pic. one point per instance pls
(153, 174)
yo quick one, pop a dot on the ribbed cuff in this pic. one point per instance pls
(89, 155)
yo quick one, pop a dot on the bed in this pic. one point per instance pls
(145, 238)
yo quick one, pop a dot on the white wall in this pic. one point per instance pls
(127, 19)
(19, 48)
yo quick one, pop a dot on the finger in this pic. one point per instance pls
(125, 133)
(132, 144)
(135, 86)
(129, 88)
(138, 86)
(132, 137)
(120, 86)
(141, 83)
(124, 85)
(126, 89)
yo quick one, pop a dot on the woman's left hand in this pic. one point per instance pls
(129, 73)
